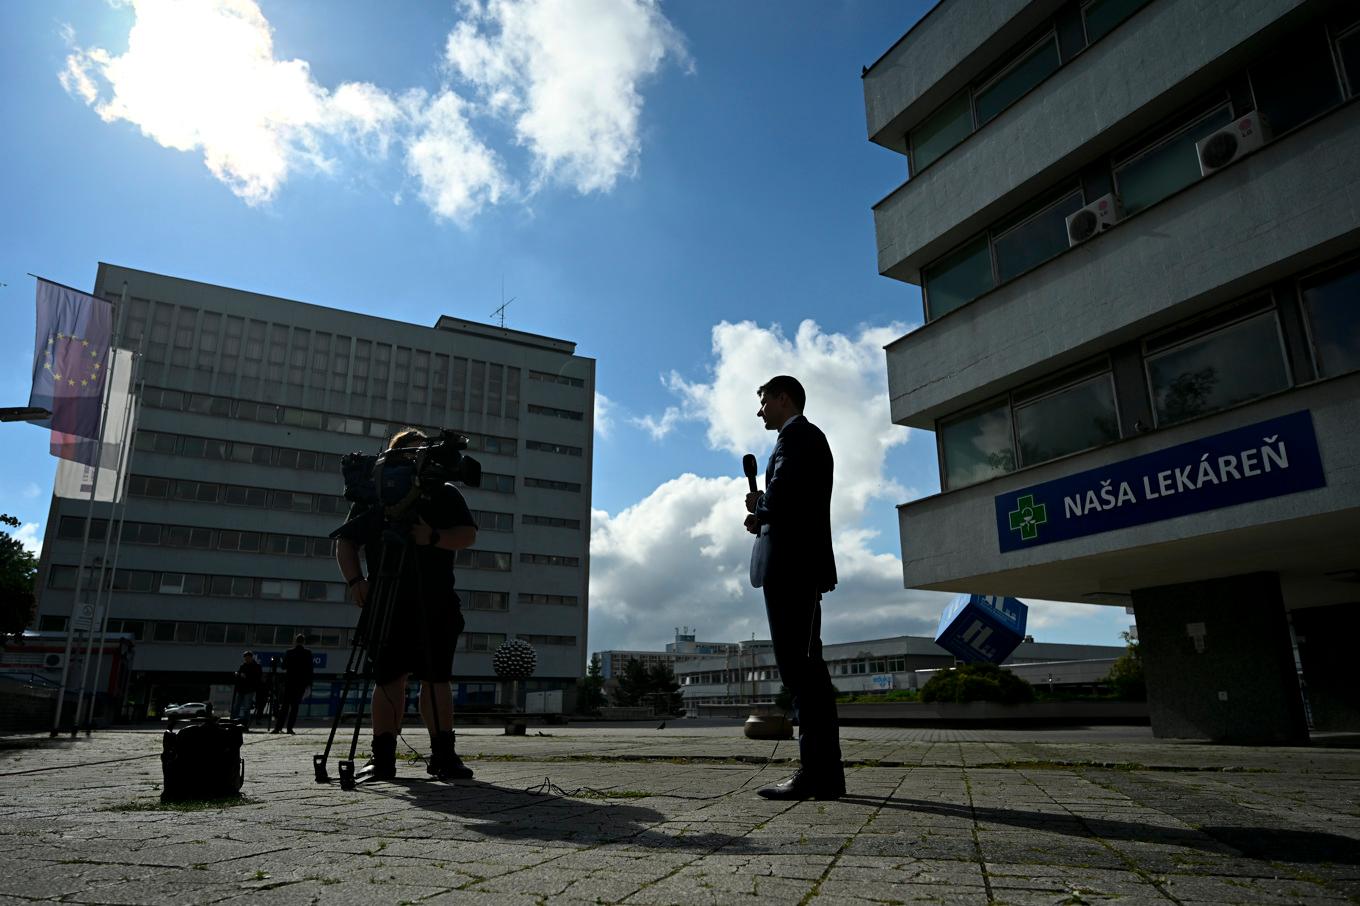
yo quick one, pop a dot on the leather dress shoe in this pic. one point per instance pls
(803, 785)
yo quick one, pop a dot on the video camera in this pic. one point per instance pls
(389, 483)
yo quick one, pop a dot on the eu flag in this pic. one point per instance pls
(71, 357)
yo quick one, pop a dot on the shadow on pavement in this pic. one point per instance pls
(1272, 844)
(512, 814)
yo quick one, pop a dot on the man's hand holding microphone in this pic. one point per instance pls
(748, 465)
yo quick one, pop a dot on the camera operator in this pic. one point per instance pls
(425, 621)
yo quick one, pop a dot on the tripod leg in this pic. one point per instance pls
(357, 653)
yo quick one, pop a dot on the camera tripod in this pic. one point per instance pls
(371, 636)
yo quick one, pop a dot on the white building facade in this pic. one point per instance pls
(1136, 227)
(248, 403)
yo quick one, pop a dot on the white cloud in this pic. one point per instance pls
(29, 535)
(202, 77)
(31, 490)
(568, 75)
(680, 555)
(604, 415)
(458, 175)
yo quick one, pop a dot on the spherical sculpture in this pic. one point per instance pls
(515, 659)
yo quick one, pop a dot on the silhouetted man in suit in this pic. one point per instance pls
(793, 564)
(297, 678)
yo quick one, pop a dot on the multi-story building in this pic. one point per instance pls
(1135, 228)
(749, 675)
(248, 403)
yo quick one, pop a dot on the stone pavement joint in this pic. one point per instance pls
(645, 816)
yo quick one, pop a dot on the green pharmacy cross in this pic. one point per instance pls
(1028, 517)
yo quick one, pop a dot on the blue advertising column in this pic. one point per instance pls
(982, 627)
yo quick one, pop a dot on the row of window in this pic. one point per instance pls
(545, 447)
(171, 583)
(550, 521)
(215, 633)
(552, 412)
(534, 639)
(572, 486)
(549, 560)
(186, 337)
(269, 413)
(526, 597)
(1224, 359)
(1019, 71)
(1291, 85)
(72, 528)
(852, 667)
(234, 495)
(235, 451)
(564, 380)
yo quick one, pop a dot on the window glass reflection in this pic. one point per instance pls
(1168, 167)
(977, 447)
(1076, 418)
(1332, 300)
(1035, 240)
(944, 129)
(1103, 15)
(958, 278)
(1238, 363)
(1006, 89)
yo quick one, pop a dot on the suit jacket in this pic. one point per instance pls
(794, 544)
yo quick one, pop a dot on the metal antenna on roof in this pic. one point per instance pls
(500, 312)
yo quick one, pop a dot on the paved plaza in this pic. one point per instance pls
(647, 815)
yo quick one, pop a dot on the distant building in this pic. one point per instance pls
(682, 650)
(250, 401)
(876, 665)
(1134, 227)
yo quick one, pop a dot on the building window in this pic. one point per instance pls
(290, 589)
(1005, 88)
(485, 600)
(572, 486)
(958, 278)
(977, 446)
(1348, 50)
(1168, 165)
(1332, 301)
(1074, 417)
(550, 521)
(494, 522)
(544, 447)
(1101, 16)
(941, 131)
(1034, 236)
(481, 641)
(232, 587)
(1296, 82)
(1221, 366)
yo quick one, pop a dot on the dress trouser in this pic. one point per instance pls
(795, 615)
(288, 707)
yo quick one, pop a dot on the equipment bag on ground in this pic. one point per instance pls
(202, 760)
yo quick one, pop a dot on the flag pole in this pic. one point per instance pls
(85, 540)
(125, 450)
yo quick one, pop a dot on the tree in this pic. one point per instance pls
(664, 690)
(633, 684)
(1126, 674)
(592, 688)
(981, 682)
(18, 575)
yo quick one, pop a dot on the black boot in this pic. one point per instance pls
(444, 762)
(383, 763)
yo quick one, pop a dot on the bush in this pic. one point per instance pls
(1126, 674)
(977, 683)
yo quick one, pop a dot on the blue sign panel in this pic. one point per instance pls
(1267, 459)
(982, 627)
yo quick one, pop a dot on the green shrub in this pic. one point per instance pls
(977, 683)
(1126, 674)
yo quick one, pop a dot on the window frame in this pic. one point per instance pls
(1216, 321)
(1205, 110)
(977, 88)
(1353, 260)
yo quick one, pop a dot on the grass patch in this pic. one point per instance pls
(190, 805)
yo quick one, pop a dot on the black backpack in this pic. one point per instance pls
(202, 760)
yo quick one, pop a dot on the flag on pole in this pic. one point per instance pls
(70, 358)
(82, 457)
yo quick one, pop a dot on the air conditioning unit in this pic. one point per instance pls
(1096, 217)
(1243, 136)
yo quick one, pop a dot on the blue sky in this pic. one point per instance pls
(683, 189)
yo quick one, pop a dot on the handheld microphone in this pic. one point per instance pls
(748, 465)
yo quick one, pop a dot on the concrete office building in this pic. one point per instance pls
(684, 648)
(1135, 224)
(750, 676)
(249, 402)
